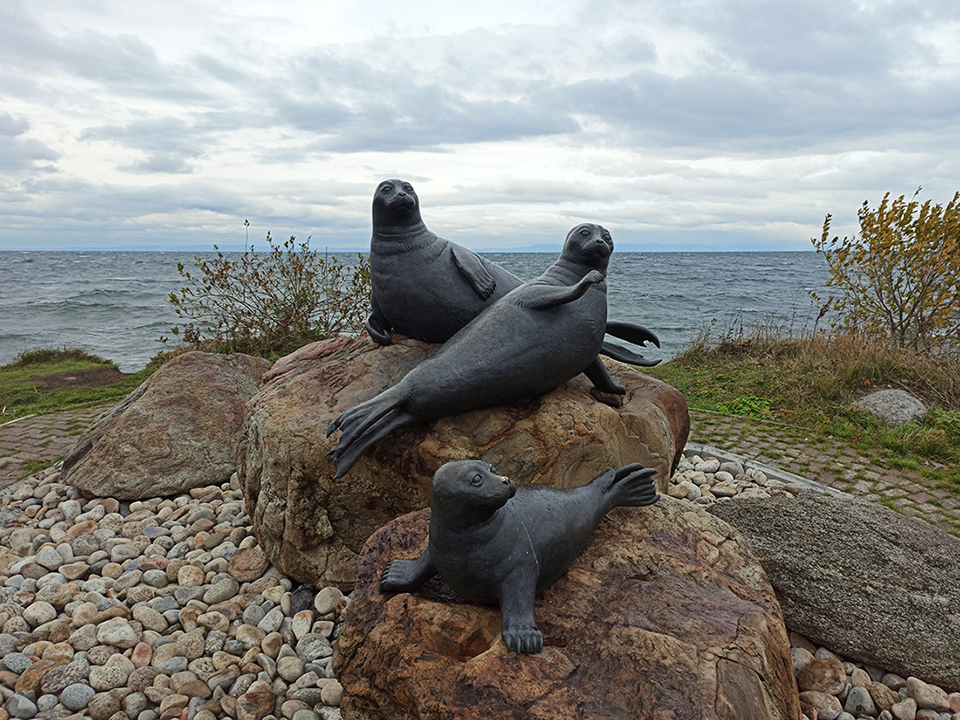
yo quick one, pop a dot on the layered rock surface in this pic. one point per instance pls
(874, 585)
(177, 431)
(665, 614)
(313, 526)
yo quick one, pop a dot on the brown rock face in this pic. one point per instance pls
(664, 615)
(177, 431)
(313, 526)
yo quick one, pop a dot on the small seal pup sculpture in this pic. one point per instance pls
(429, 288)
(493, 542)
(529, 342)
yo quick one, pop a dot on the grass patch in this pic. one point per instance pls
(34, 466)
(43, 381)
(808, 383)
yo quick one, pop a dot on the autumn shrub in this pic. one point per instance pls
(899, 277)
(270, 303)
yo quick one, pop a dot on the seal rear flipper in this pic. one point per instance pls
(473, 270)
(631, 332)
(519, 627)
(363, 435)
(631, 485)
(407, 575)
(620, 353)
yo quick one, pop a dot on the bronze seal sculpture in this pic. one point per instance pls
(532, 340)
(429, 288)
(493, 542)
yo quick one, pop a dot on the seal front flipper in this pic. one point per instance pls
(519, 628)
(628, 486)
(407, 575)
(378, 327)
(541, 296)
(598, 374)
(473, 270)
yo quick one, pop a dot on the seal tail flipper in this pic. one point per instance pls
(363, 431)
(631, 485)
(618, 352)
(631, 332)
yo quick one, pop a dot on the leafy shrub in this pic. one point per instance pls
(271, 303)
(900, 277)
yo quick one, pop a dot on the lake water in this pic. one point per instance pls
(113, 303)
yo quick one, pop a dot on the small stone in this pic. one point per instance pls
(20, 706)
(725, 489)
(39, 613)
(107, 677)
(290, 668)
(800, 657)
(150, 618)
(77, 670)
(48, 557)
(332, 693)
(17, 662)
(271, 621)
(708, 465)
(142, 654)
(156, 578)
(223, 589)
(883, 697)
(327, 601)
(255, 704)
(824, 676)
(928, 696)
(859, 702)
(905, 709)
(117, 632)
(302, 623)
(827, 706)
(190, 576)
(190, 645)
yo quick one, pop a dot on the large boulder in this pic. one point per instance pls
(178, 430)
(867, 582)
(666, 614)
(313, 526)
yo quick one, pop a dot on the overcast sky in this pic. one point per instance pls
(721, 124)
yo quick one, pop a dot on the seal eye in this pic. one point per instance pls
(585, 232)
(476, 480)
(386, 188)
(408, 187)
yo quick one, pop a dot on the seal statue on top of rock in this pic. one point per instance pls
(529, 342)
(495, 543)
(429, 288)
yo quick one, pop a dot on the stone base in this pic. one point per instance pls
(313, 526)
(664, 615)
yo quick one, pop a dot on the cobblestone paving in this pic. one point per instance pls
(832, 463)
(34, 443)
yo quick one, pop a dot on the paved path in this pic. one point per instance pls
(34, 443)
(832, 463)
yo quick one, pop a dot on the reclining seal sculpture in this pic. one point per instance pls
(528, 343)
(429, 288)
(493, 542)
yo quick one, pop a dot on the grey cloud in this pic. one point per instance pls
(18, 152)
(160, 163)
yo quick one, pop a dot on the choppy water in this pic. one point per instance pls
(113, 303)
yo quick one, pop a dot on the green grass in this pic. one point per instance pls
(23, 392)
(806, 385)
